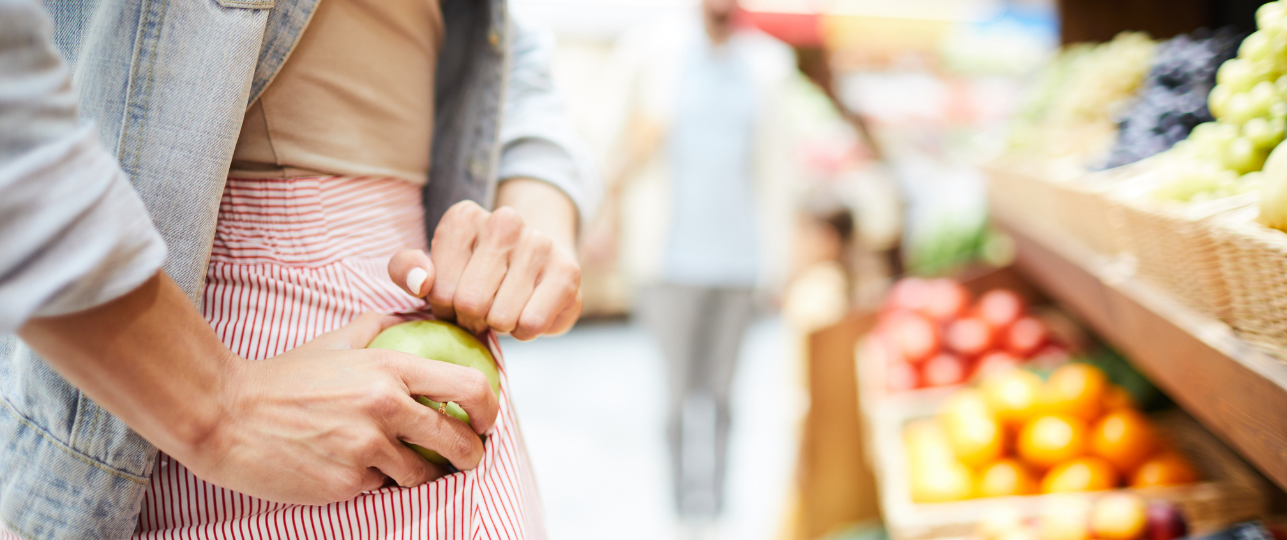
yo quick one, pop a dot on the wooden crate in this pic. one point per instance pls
(1229, 491)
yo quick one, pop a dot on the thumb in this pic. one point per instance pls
(412, 271)
(357, 334)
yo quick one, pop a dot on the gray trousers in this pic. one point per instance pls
(700, 331)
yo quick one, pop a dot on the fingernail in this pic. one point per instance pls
(416, 279)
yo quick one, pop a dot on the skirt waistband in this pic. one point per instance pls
(317, 221)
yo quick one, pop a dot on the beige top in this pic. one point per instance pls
(354, 98)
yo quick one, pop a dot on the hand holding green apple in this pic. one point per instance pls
(444, 342)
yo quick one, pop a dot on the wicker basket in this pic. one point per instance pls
(1253, 261)
(1029, 187)
(1084, 211)
(1173, 245)
(1229, 491)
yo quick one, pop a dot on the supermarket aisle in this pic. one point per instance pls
(590, 405)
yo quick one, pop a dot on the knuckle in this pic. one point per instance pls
(540, 245)
(380, 401)
(470, 303)
(474, 383)
(533, 324)
(350, 483)
(505, 225)
(368, 448)
(500, 320)
(461, 444)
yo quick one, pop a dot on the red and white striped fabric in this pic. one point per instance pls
(293, 259)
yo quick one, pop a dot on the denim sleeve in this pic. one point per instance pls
(73, 233)
(537, 137)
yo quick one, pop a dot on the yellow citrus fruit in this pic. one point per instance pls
(1117, 398)
(965, 402)
(1004, 478)
(1075, 389)
(927, 442)
(975, 439)
(1119, 516)
(942, 482)
(1047, 440)
(1165, 469)
(1124, 438)
(1012, 395)
(1086, 473)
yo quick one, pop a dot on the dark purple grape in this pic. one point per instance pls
(1173, 97)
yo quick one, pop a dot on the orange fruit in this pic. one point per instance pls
(1086, 473)
(942, 482)
(1075, 389)
(1117, 398)
(1124, 438)
(1006, 477)
(1012, 395)
(1047, 440)
(965, 402)
(1119, 516)
(975, 439)
(1165, 469)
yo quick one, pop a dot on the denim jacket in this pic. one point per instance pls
(167, 83)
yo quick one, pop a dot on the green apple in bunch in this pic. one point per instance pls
(444, 342)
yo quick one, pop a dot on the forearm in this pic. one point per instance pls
(147, 357)
(543, 207)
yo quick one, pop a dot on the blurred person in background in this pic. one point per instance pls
(150, 299)
(704, 165)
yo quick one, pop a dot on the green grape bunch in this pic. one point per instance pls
(1249, 104)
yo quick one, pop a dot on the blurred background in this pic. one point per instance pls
(894, 145)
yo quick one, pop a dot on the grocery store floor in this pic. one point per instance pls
(590, 405)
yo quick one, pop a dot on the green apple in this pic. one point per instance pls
(445, 342)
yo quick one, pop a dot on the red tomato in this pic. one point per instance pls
(1000, 307)
(1026, 336)
(913, 337)
(901, 376)
(970, 336)
(945, 299)
(907, 294)
(994, 362)
(944, 369)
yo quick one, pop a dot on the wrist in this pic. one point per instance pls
(204, 437)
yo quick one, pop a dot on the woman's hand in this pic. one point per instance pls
(318, 424)
(493, 270)
(327, 420)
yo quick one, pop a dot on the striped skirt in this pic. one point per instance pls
(293, 259)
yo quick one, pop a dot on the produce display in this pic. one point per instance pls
(1073, 109)
(1115, 516)
(1249, 102)
(934, 334)
(1173, 97)
(1017, 434)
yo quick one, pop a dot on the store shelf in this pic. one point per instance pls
(1236, 391)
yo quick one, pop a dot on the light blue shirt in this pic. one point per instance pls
(713, 239)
